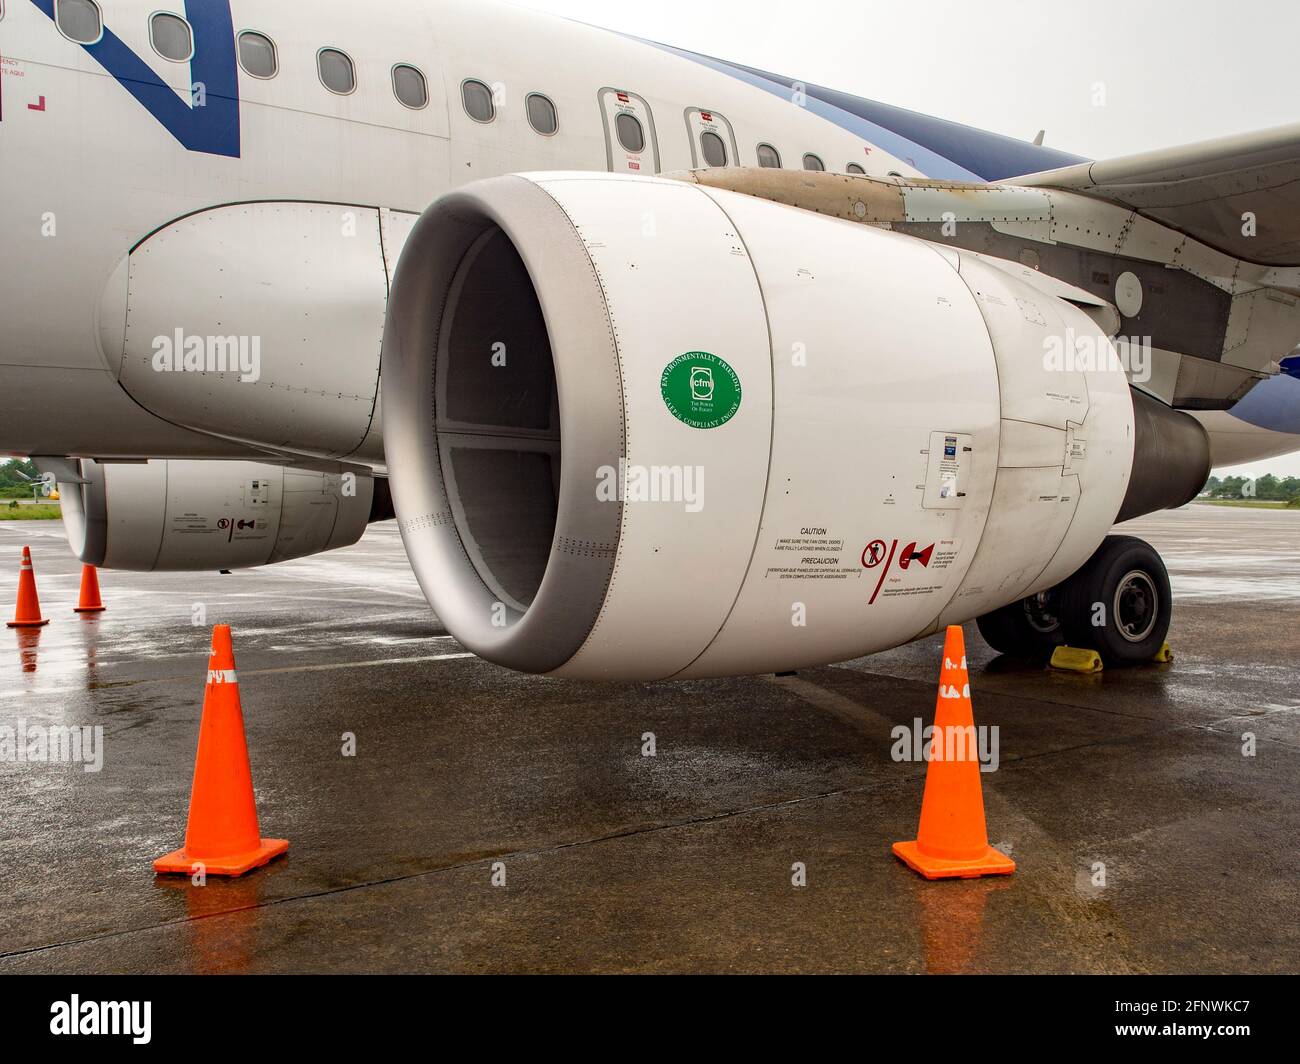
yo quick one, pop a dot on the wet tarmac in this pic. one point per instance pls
(490, 822)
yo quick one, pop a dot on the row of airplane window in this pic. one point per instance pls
(172, 38)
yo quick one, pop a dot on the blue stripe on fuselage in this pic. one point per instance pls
(940, 149)
(212, 127)
(922, 158)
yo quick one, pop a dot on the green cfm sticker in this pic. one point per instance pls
(700, 390)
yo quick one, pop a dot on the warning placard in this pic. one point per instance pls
(814, 554)
(919, 570)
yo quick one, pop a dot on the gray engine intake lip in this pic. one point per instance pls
(589, 385)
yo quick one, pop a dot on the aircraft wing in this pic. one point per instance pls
(1209, 191)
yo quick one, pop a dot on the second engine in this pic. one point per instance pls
(206, 515)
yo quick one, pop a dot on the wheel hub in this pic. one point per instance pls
(1041, 613)
(1136, 606)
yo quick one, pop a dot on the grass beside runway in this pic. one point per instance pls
(1252, 504)
(40, 511)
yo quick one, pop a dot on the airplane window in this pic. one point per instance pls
(854, 168)
(541, 115)
(409, 86)
(336, 71)
(769, 157)
(715, 151)
(478, 101)
(257, 55)
(630, 133)
(811, 162)
(170, 36)
(79, 20)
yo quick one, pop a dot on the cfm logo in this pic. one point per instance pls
(209, 120)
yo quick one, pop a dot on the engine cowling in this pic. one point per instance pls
(642, 429)
(201, 515)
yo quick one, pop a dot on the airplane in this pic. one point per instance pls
(667, 367)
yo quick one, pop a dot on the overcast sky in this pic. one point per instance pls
(1173, 72)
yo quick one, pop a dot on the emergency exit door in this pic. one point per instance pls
(713, 142)
(631, 144)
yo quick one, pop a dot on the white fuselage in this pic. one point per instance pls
(90, 175)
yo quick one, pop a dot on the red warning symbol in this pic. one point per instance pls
(874, 554)
(911, 554)
(878, 553)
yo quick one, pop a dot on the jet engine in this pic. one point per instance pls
(642, 429)
(202, 515)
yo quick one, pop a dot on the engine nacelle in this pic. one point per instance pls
(642, 429)
(199, 515)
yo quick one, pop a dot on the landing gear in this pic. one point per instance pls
(1119, 604)
(1030, 628)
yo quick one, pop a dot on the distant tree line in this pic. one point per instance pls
(1268, 488)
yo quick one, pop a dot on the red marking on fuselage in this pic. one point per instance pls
(884, 572)
(40, 106)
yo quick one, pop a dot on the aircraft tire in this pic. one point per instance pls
(1030, 628)
(1119, 604)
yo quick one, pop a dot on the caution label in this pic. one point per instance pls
(813, 554)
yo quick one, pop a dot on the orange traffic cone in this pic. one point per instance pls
(952, 841)
(90, 602)
(222, 836)
(27, 614)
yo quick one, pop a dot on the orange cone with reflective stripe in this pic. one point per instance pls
(90, 602)
(222, 837)
(952, 841)
(27, 614)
